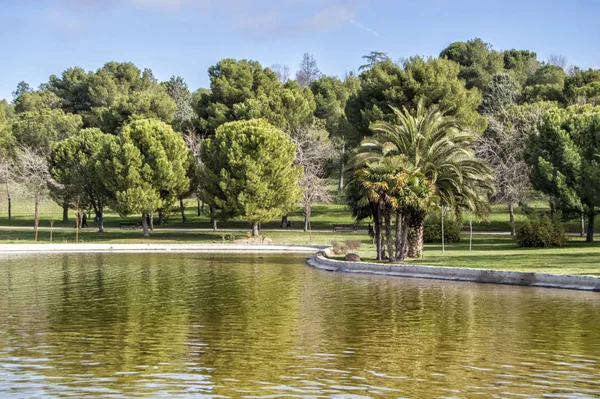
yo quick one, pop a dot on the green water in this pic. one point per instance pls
(172, 325)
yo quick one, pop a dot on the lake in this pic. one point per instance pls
(268, 326)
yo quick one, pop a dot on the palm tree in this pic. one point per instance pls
(433, 143)
(386, 188)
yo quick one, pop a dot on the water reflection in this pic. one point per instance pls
(267, 326)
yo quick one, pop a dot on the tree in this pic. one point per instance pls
(434, 81)
(41, 129)
(72, 164)
(109, 97)
(331, 95)
(33, 173)
(248, 171)
(478, 61)
(22, 88)
(282, 71)
(558, 60)
(242, 90)
(564, 160)
(144, 170)
(386, 187)
(313, 150)
(372, 59)
(435, 144)
(308, 72)
(37, 100)
(583, 87)
(179, 92)
(499, 93)
(521, 64)
(504, 147)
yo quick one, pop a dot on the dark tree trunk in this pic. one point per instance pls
(511, 214)
(388, 235)
(378, 233)
(284, 220)
(100, 216)
(145, 226)
(65, 218)
(183, 217)
(254, 229)
(582, 225)
(199, 212)
(9, 200)
(161, 218)
(398, 234)
(590, 227)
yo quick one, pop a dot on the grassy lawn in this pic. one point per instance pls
(489, 251)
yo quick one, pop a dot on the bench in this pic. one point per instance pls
(130, 225)
(344, 228)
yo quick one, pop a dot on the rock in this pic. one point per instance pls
(352, 258)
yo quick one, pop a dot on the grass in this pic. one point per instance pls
(489, 251)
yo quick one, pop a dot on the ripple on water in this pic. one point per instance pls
(177, 325)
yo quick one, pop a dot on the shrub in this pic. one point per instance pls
(345, 247)
(432, 232)
(541, 231)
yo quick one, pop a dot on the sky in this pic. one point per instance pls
(185, 37)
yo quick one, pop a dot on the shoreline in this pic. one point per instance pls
(488, 276)
(320, 261)
(159, 248)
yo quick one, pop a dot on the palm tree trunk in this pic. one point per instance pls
(404, 241)
(378, 239)
(415, 241)
(398, 234)
(388, 234)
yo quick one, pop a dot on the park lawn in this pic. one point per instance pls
(501, 253)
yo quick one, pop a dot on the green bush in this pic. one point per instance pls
(541, 231)
(432, 232)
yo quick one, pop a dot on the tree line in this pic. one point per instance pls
(451, 133)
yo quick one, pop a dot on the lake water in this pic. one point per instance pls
(181, 325)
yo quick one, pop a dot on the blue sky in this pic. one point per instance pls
(185, 37)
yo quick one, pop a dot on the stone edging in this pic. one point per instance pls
(586, 283)
(159, 248)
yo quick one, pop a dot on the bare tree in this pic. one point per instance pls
(503, 146)
(558, 60)
(34, 174)
(313, 149)
(309, 72)
(282, 71)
